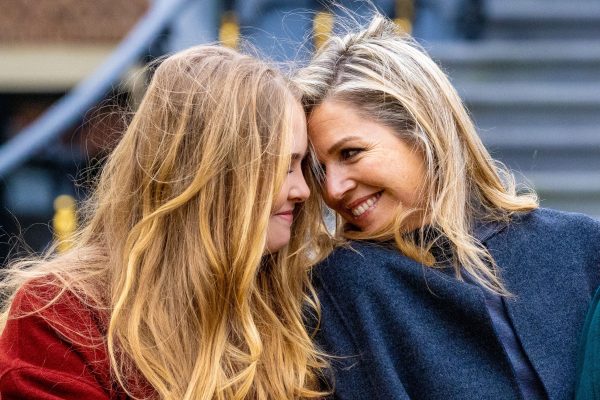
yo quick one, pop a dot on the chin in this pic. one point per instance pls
(274, 246)
(369, 225)
(367, 229)
(371, 229)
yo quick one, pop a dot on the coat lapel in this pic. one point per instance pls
(544, 310)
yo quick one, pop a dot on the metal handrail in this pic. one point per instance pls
(70, 108)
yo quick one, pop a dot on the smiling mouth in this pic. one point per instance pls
(288, 216)
(366, 205)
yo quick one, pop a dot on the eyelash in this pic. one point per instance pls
(301, 165)
(344, 156)
(350, 153)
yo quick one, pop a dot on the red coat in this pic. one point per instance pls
(39, 362)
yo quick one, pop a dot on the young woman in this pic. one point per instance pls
(456, 286)
(188, 278)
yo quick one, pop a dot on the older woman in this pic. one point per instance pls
(455, 286)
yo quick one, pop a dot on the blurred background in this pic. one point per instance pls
(528, 70)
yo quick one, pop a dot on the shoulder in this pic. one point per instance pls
(69, 313)
(559, 236)
(553, 244)
(546, 225)
(52, 331)
(546, 217)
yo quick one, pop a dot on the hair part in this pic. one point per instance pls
(386, 77)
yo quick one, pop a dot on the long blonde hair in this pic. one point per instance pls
(172, 244)
(386, 77)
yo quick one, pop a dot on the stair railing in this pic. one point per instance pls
(70, 108)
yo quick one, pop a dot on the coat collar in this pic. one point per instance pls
(485, 230)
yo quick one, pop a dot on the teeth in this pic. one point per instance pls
(364, 206)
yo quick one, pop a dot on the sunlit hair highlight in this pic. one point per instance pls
(172, 245)
(383, 75)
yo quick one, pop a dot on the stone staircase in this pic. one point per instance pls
(532, 84)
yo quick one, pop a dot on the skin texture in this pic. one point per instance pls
(363, 160)
(294, 190)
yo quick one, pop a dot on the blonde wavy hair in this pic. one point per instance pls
(173, 240)
(384, 75)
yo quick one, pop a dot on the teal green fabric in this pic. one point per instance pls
(588, 385)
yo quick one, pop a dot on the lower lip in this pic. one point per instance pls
(286, 217)
(368, 212)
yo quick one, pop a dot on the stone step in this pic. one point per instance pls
(532, 94)
(534, 160)
(559, 183)
(531, 104)
(528, 19)
(533, 88)
(553, 10)
(576, 191)
(550, 138)
(545, 149)
(519, 61)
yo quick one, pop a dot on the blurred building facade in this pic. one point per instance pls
(46, 48)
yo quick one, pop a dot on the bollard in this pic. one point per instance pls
(64, 221)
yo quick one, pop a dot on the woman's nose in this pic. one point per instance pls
(337, 183)
(300, 190)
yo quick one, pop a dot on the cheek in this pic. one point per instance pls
(410, 186)
(278, 235)
(280, 199)
(328, 199)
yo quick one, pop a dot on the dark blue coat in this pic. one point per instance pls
(401, 330)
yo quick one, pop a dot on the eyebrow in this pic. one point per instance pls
(336, 146)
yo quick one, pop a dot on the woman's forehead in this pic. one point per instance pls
(331, 115)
